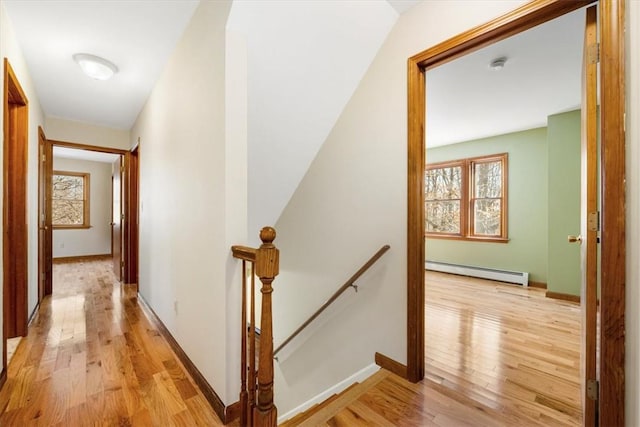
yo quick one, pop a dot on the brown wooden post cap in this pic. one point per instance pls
(267, 235)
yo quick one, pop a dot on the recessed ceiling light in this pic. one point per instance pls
(498, 63)
(95, 67)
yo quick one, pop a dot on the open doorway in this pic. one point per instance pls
(85, 200)
(611, 407)
(502, 192)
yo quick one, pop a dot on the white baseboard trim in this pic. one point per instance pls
(359, 376)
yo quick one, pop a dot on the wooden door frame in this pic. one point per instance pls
(15, 232)
(124, 153)
(612, 107)
(132, 209)
(120, 266)
(45, 245)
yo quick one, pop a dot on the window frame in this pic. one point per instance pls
(468, 199)
(86, 219)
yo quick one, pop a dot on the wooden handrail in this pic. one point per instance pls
(244, 253)
(349, 283)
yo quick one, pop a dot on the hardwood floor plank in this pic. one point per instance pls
(92, 358)
(496, 355)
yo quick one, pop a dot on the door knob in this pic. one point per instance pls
(574, 239)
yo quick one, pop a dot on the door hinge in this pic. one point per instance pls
(122, 217)
(122, 169)
(44, 158)
(592, 389)
(593, 53)
(122, 263)
(593, 221)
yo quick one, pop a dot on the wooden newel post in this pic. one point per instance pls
(267, 263)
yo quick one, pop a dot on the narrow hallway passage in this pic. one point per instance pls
(92, 357)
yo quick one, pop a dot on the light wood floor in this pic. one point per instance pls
(93, 358)
(496, 355)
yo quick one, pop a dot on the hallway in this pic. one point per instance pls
(92, 357)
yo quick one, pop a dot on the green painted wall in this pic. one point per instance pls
(563, 133)
(527, 214)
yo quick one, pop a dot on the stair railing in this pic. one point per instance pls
(256, 383)
(348, 284)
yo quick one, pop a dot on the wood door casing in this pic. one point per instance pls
(45, 232)
(116, 219)
(611, 364)
(132, 216)
(15, 245)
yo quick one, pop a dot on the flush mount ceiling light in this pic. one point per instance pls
(498, 63)
(95, 67)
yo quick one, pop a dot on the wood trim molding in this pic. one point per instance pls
(3, 377)
(391, 365)
(538, 285)
(80, 258)
(78, 146)
(613, 262)
(33, 313)
(225, 413)
(415, 221)
(521, 19)
(563, 296)
(612, 107)
(14, 208)
(232, 412)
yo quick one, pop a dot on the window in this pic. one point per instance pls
(70, 200)
(467, 199)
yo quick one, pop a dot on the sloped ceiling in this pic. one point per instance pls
(305, 60)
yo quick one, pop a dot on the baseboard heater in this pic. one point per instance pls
(518, 277)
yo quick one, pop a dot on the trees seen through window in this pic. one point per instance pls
(467, 198)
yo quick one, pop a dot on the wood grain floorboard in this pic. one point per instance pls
(93, 358)
(496, 355)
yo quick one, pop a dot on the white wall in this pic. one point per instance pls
(305, 59)
(632, 380)
(184, 249)
(351, 201)
(236, 185)
(10, 49)
(97, 239)
(85, 133)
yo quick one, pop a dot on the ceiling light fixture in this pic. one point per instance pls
(498, 63)
(95, 67)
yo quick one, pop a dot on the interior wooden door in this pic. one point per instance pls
(117, 216)
(589, 219)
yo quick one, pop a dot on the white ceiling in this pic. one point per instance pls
(137, 36)
(74, 153)
(290, 43)
(402, 6)
(466, 100)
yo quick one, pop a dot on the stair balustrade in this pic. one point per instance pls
(256, 387)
